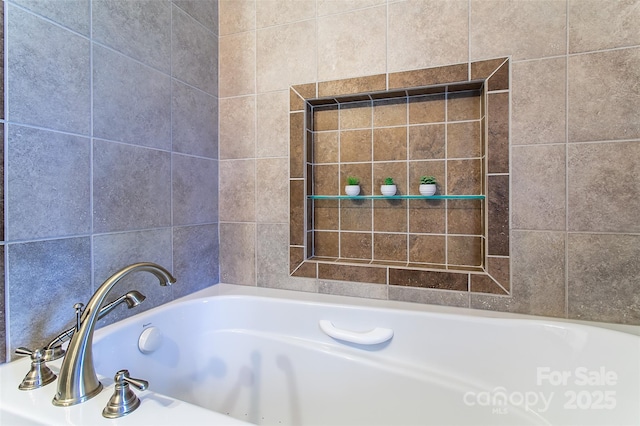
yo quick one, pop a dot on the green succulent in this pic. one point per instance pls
(388, 181)
(428, 180)
(352, 180)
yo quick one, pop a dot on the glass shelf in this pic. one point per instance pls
(396, 197)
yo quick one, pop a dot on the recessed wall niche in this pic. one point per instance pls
(450, 122)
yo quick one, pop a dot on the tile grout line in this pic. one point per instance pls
(566, 165)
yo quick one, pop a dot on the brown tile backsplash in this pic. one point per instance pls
(363, 274)
(485, 284)
(427, 141)
(498, 133)
(464, 250)
(427, 216)
(390, 215)
(390, 143)
(325, 147)
(355, 146)
(498, 215)
(350, 86)
(325, 215)
(325, 118)
(296, 144)
(390, 112)
(355, 115)
(390, 247)
(427, 249)
(464, 217)
(429, 279)
(428, 122)
(429, 76)
(326, 243)
(356, 215)
(355, 245)
(427, 109)
(463, 140)
(297, 213)
(463, 106)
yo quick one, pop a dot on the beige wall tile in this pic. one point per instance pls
(604, 95)
(237, 127)
(414, 42)
(278, 12)
(538, 287)
(603, 277)
(236, 16)
(351, 44)
(286, 55)
(538, 187)
(597, 24)
(604, 189)
(330, 7)
(237, 191)
(430, 296)
(346, 288)
(238, 253)
(272, 192)
(237, 73)
(272, 253)
(539, 101)
(523, 29)
(272, 124)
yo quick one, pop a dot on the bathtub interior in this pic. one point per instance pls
(266, 361)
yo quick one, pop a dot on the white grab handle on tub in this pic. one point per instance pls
(373, 337)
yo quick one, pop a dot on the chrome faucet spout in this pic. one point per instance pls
(77, 380)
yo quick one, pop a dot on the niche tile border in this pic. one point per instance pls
(493, 77)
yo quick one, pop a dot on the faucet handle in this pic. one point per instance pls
(124, 400)
(39, 375)
(79, 307)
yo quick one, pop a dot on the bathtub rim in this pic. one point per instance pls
(224, 289)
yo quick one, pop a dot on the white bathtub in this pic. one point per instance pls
(267, 360)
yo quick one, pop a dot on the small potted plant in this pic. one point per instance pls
(353, 186)
(427, 185)
(389, 187)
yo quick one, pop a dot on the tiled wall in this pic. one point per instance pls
(112, 140)
(573, 119)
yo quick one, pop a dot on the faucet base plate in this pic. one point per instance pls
(58, 402)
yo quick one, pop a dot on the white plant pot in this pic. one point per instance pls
(352, 190)
(428, 189)
(388, 190)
